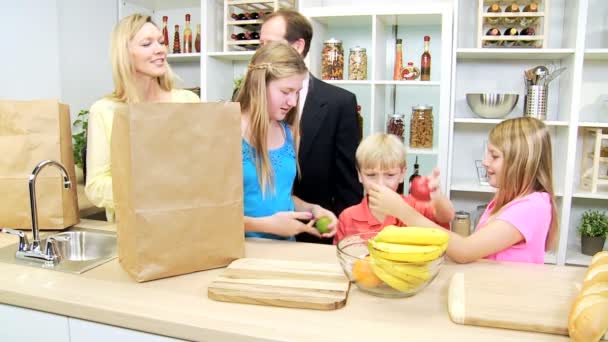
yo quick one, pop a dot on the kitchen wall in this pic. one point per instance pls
(56, 49)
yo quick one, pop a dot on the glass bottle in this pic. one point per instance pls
(421, 127)
(332, 60)
(513, 8)
(416, 170)
(360, 122)
(197, 41)
(187, 36)
(492, 32)
(462, 223)
(425, 61)
(396, 125)
(357, 64)
(410, 72)
(493, 8)
(176, 45)
(166, 32)
(511, 31)
(398, 60)
(531, 7)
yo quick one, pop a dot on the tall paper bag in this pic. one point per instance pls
(178, 187)
(30, 132)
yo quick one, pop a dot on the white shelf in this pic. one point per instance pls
(232, 55)
(513, 53)
(593, 124)
(596, 54)
(165, 5)
(514, 15)
(410, 83)
(348, 82)
(426, 151)
(470, 186)
(574, 255)
(183, 57)
(591, 195)
(476, 121)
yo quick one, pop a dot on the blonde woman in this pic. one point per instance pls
(270, 131)
(520, 223)
(141, 74)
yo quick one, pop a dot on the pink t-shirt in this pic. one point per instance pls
(531, 215)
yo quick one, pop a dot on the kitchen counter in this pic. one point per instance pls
(179, 307)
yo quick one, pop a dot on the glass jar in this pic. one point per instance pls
(396, 125)
(421, 127)
(462, 223)
(357, 64)
(332, 60)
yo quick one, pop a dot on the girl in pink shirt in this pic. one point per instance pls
(520, 223)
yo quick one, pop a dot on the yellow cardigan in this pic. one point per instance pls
(98, 186)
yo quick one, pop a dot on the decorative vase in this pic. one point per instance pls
(592, 244)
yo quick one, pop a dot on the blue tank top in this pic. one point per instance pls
(283, 162)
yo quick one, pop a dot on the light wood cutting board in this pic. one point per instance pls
(284, 283)
(520, 297)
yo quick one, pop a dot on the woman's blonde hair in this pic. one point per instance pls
(380, 150)
(270, 62)
(123, 70)
(525, 143)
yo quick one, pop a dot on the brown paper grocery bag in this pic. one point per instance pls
(30, 132)
(178, 187)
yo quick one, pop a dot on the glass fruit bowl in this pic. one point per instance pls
(374, 273)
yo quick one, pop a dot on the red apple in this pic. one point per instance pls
(419, 188)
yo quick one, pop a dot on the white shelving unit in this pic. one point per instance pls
(578, 40)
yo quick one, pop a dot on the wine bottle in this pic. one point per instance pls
(425, 61)
(494, 8)
(398, 60)
(492, 32)
(528, 31)
(239, 36)
(187, 36)
(176, 45)
(511, 31)
(532, 7)
(512, 8)
(197, 41)
(254, 35)
(416, 170)
(254, 16)
(166, 32)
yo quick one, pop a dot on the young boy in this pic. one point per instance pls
(381, 160)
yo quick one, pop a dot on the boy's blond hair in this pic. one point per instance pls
(382, 151)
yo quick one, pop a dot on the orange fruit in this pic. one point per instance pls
(363, 274)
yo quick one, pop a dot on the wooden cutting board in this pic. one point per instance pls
(520, 297)
(284, 283)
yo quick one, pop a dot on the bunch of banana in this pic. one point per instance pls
(401, 255)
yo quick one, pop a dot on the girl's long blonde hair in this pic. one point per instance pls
(527, 165)
(271, 62)
(123, 70)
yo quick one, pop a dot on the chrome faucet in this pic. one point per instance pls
(25, 249)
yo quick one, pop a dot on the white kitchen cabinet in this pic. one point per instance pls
(577, 39)
(87, 331)
(21, 324)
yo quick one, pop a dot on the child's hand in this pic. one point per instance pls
(434, 182)
(318, 212)
(384, 200)
(287, 223)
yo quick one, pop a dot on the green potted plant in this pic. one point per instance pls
(79, 136)
(594, 230)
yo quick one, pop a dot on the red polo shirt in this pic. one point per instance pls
(359, 219)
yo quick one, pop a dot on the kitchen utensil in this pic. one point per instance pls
(541, 73)
(516, 296)
(293, 284)
(554, 74)
(492, 106)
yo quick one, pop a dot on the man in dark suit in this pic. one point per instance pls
(329, 127)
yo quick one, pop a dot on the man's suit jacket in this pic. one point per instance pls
(330, 136)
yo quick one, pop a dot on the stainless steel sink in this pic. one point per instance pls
(83, 250)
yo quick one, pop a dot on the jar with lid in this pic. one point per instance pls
(462, 223)
(396, 125)
(332, 60)
(421, 127)
(357, 64)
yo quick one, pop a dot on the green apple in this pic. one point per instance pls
(322, 224)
